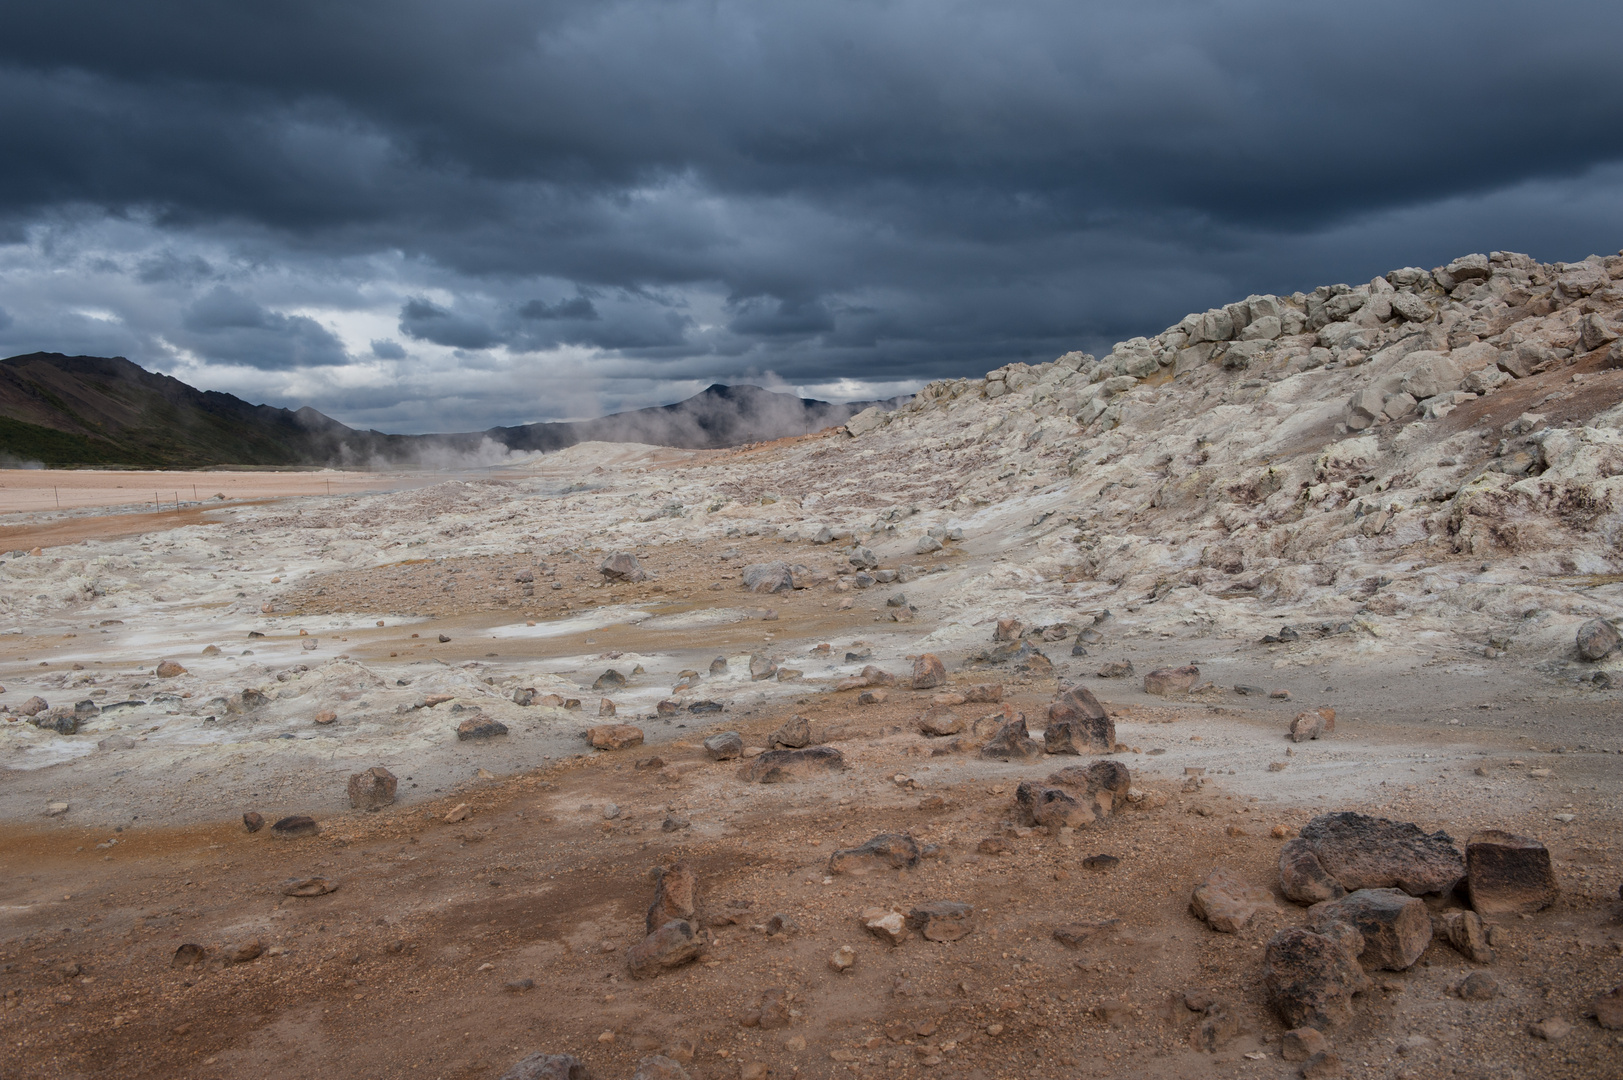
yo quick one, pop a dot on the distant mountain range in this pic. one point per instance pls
(93, 410)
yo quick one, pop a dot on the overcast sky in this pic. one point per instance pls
(443, 216)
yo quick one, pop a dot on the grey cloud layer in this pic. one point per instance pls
(663, 189)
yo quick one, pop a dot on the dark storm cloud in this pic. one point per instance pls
(841, 189)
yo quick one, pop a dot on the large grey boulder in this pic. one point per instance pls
(1433, 373)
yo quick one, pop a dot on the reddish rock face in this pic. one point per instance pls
(1171, 682)
(1508, 874)
(942, 920)
(1226, 902)
(614, 736)
(783, 766)
(1012, 743)
(675, 897)
(1395, 926)
(1312, 978)
(372, 789)
(928, 672)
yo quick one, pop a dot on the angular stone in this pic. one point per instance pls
(609, 680)
(772, 577)
(1105, 784)
(479, 726)
(928, 672)
(33, 706)
(1433, 373)
(1226, 902)
(762, 667)
(672, 945)
(1302, 878)
(1007, 629)
(1078, 723)
(548, 1067)
(984, 693)
(310, 886)
(887, 851)
(1312, 978)
(793, 735)
(1171, 682)
(1363, 852)
(372, 789)
(1051, 807)
(878, 676)
(1299, 1044)
(1012, 743)
(1464, 931)
(724, 746)
(939, 721)
(1477, 986)
(622, 567)
(1508, 874)
(295, 826)
(784, 766)
(1596, 639)
(614, 736)
(1395, 926)
(1312, 723)
(676, 896)
(253, 821)
(942, 920)
(886, 925)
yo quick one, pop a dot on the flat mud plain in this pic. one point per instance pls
(487, 913)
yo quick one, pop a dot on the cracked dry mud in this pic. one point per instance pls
(1432, 605)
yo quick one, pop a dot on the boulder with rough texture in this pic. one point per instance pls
(1299, 1044)
(372, 789)
(622, 567)
(168, 669)
(33, 706)
(762, 667)
(942, 920)
(793, 734)
(771, 577)
(867, 420)
(784, 766)
(1312, 724)
(886, 924)
(1226, 902)
(1012, 743)
(672, 945)
(887, 851)
(609, 680)
(676, 896)
(295, 826)
(1433, 373)
(1171, 681)
(1508, 874)
(1078, 724)
(1395, 926)
(1312, 978)
(940, 721)
(1464, 931)
(1051, 807)
(1363, 852)
(1302, 878)
(253, 821)
(1597, 638)
(724, 746)
(614, 736)
(1104, 784)
(548, 1067)
(928, 672)
(479, 726)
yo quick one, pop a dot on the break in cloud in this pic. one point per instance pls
(419, 216)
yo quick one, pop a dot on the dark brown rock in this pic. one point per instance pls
(1312, 724)
(1012, 743)
(984, 693)
(1299, 1044)
(1312, 978)
(1171, 682)
(1105, 784)
(1596, 639)
(188, 955)
(168, 669)
(372, 789)
(1363, 852)
(1117, 669)
(622, 567)
(1395, 926)
(310, 886)
(928, 672)
(1226, 901)
(1508, 874)
(253, 821)
(1464, 931)
(479, 726)
(548, 1067)
(1078, 724)
(784, 766)
(609, 680)
(887, 851)
(247, 951)
(877, 676)
(1477, 986)
(793, 735)
(942, 920)
(672, 945)
(1216, 1030)
(295, 826)
(1325, 1065)
(676, 896)
(1302, 878)
(774, 1009)
(1051, 807)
